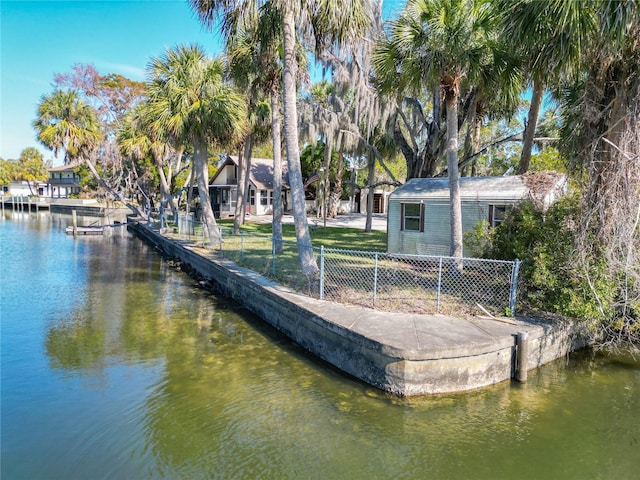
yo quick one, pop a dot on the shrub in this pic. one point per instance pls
(555, 276)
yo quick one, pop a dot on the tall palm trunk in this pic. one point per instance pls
(248, 152)
(530, 127)
(201, 169)
(276, 137)
(241, 195)
(454, 178)
(307, 260)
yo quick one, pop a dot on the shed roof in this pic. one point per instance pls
(515, 187)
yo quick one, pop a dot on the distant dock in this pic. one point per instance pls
(25, 203)
(92, 230)
(82, 207)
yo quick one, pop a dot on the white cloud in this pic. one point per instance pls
(134, 73)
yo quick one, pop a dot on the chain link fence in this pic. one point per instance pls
(391, 282)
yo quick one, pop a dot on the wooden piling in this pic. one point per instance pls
(522, 356)
(74, 216)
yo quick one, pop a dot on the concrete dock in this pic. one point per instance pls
(405, 354)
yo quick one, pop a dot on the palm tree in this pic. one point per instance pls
(551, 36)
(443, 43)
(251, 62)
(321, 23)
(136, 139)
(67, 123)
(189, 100)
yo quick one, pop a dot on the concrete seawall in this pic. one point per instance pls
(405, 354)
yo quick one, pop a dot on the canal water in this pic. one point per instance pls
(116, 366)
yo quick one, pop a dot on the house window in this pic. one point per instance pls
(252, 196)
(264, 197)
(412, 217)
(497, 214)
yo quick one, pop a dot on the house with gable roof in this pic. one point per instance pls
(64, 181)
(223, 187)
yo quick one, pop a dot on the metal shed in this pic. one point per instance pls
(419, 215)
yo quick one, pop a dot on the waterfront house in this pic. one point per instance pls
(223, 187)
(380, 199)
(419, 213)
(22, 188)
(64, 181)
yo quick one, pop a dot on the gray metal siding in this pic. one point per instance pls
(436, 236)
(393, 227)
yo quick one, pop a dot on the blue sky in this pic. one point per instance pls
(41, 38)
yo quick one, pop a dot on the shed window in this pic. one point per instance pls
(264, 197)
(497, 214)
(412, 217)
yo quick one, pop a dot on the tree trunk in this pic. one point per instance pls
(276, 137)
(178, 165)
(469, 147)
(115, 194)
(189, 186)
(336, 194)
(165, 189)
(201, 169)
(180, 153)
(454, 179)
(324, 178)
(305, 251)
(370, 194)
(475, 141)
(530, 127)
(241, 193)
(248, 151)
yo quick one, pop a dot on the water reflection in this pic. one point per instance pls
(123, 368)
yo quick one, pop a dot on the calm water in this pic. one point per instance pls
(116, 366)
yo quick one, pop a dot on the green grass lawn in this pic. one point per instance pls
(352, 273)
(329, 237)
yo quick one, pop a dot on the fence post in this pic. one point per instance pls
(241, 246)
(514, 286)
(321, 272)
(375, 278)
(439, 285)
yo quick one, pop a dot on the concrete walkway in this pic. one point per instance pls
(405, 354)
(348, 220)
